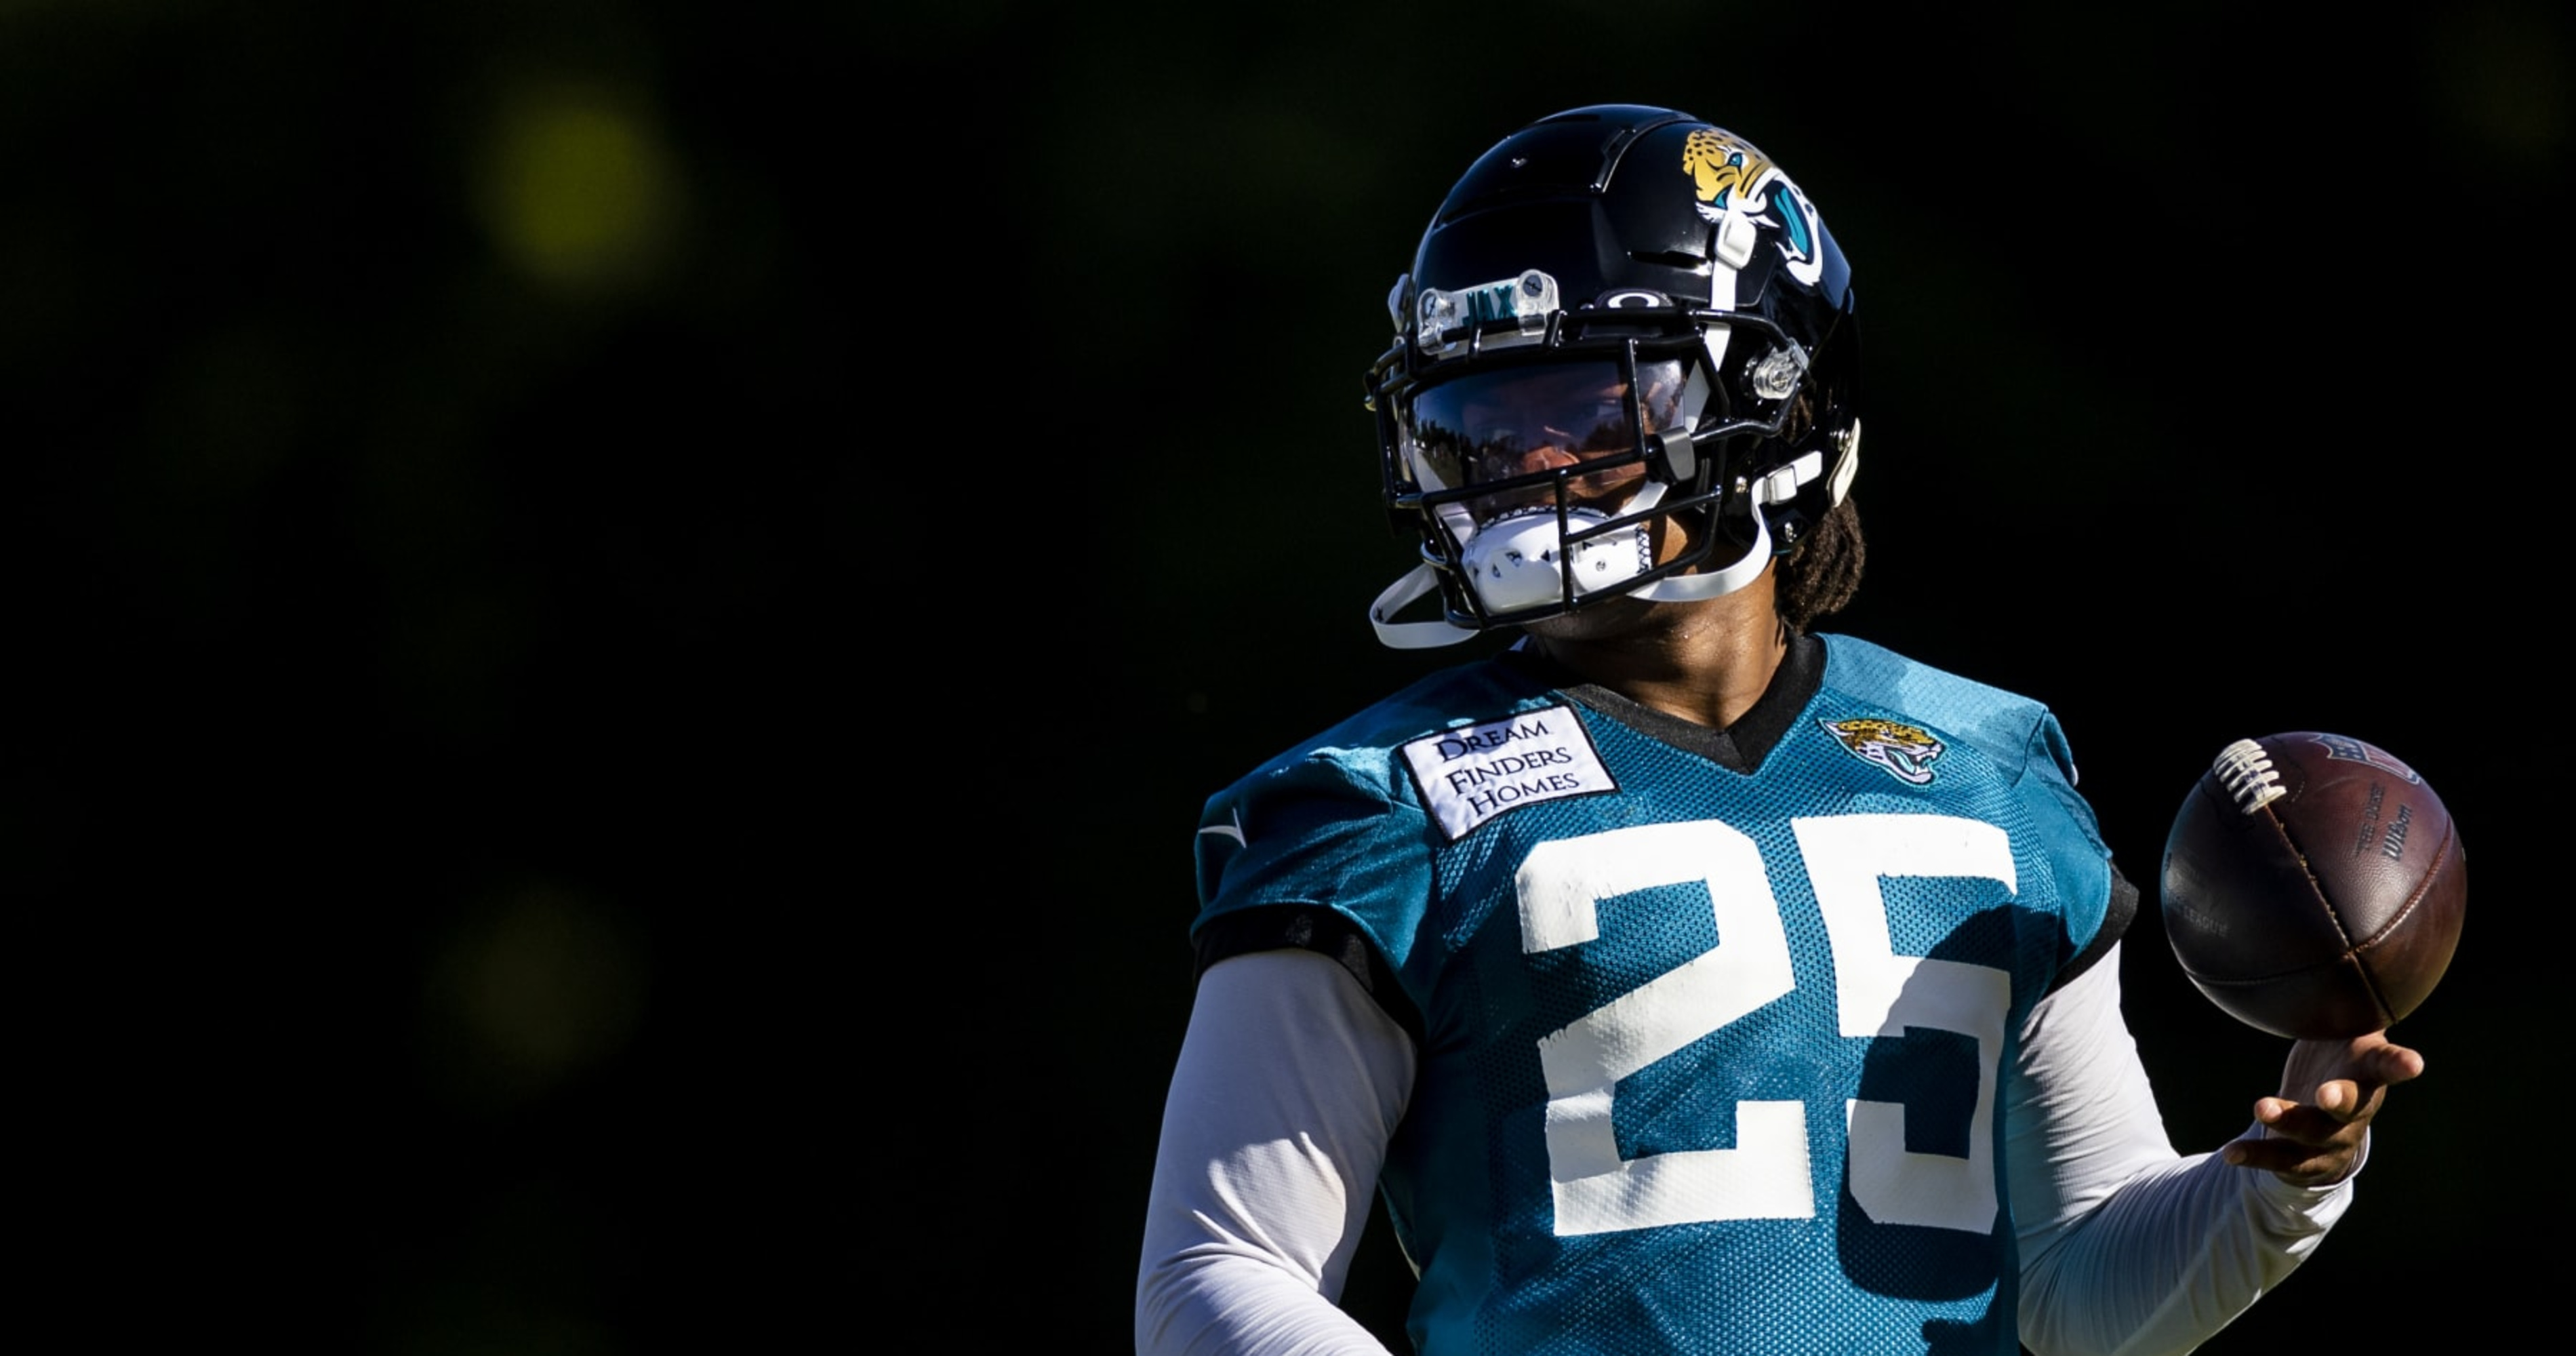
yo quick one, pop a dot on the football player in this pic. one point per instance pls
(1686, 980)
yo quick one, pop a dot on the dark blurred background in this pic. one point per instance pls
(625, 607)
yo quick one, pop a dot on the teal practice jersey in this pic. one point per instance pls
(1713, 1027)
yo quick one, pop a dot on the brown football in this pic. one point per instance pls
(2313, 885)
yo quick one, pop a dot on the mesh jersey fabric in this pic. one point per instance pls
(1708, 1051)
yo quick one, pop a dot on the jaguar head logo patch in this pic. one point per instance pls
(1905, 752)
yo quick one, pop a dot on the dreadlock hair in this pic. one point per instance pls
(1820, 575)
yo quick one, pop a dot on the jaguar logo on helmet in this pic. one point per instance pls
(1729, 177)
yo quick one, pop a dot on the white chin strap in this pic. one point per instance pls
(1416, 584)
(1529, 552)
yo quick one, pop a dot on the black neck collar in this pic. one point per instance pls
(1740, 747)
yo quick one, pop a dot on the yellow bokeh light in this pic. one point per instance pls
(577, 188)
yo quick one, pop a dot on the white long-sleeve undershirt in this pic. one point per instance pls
(1291, 1080)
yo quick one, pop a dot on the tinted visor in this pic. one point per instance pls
(1526, 423)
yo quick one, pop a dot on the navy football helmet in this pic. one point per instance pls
(1622, 319)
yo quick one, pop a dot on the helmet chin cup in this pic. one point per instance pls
(1522, 561)
(1517, 563)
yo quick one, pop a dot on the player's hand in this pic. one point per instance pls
(2330, 1090)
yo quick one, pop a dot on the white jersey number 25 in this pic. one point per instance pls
(1877, 993)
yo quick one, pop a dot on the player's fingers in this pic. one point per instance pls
(2306, 1123)
(2347, 1100)
(2302, 1164)
(2358, 1097)
(2386, 1064)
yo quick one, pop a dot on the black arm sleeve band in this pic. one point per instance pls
(2116, 917)
(1306, 927)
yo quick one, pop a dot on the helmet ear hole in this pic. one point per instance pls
(1673, 457)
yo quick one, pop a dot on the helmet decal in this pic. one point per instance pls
(1729, 176)
(1725, 171)
(1799, 225)
(1525, 302)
